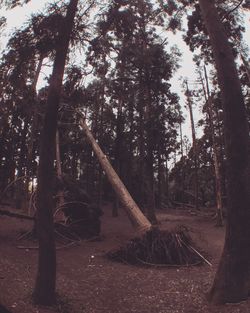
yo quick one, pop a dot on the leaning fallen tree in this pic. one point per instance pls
(137, 218)
(153, 246)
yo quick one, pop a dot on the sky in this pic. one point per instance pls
(17, 16)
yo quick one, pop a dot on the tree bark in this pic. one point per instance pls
(138, 220)
(44, 292)
(231, 282)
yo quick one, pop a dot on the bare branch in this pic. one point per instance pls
(232, 10)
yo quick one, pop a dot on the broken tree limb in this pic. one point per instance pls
(17, 215)
(136, 217)
(181, 204)
(10, 184)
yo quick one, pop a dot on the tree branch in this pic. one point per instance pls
(232, 10)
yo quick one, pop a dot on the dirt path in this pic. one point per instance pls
(89, 283)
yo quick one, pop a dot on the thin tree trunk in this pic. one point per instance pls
(44, 292)
(182, 187)
(138, 220)
(149, 169)
(118, 152)
(141, 183)
(161, 181)
(100, 187)
(34, 123)
(167, 183)
(33, 133)
(231, 282)
(218, 187)
(181, 136)
(150, 208)
(60, 195)
(20, 196)
(196, 195)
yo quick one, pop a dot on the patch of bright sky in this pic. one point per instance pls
(17, 16)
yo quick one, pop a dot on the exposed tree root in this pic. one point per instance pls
(160, 248)
(65, 236)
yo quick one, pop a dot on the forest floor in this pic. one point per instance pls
(88, 282)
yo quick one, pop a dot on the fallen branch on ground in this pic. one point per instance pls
(57, 248)
(188, 205)
(16, 215)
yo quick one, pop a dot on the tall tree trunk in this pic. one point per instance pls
(167, 193)
(231, 282)
(150, 187)
(161, 182)
(182, 187)
(181, 135)
(34, 123)
(221, 146)
(100, 187)
(138, 220)
(149, 160)
(33, 134)
(118, 152)
(20, 196)
(196, 183)
(216, 157)
(60, 195)
(44, 292)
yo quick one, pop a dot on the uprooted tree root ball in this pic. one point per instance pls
(158, 247)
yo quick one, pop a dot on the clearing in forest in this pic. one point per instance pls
(88, 281)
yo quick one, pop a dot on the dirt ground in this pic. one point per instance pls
(87, 282)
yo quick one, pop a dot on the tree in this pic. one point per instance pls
(44, 292)
(20, 68)
(230, 18)
(147, 113)
(217, 168)
(138, 220)
(231, 280)
(195, 152)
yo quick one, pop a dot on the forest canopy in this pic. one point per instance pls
(119, 72)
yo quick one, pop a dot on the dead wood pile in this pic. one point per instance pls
(156, 247)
